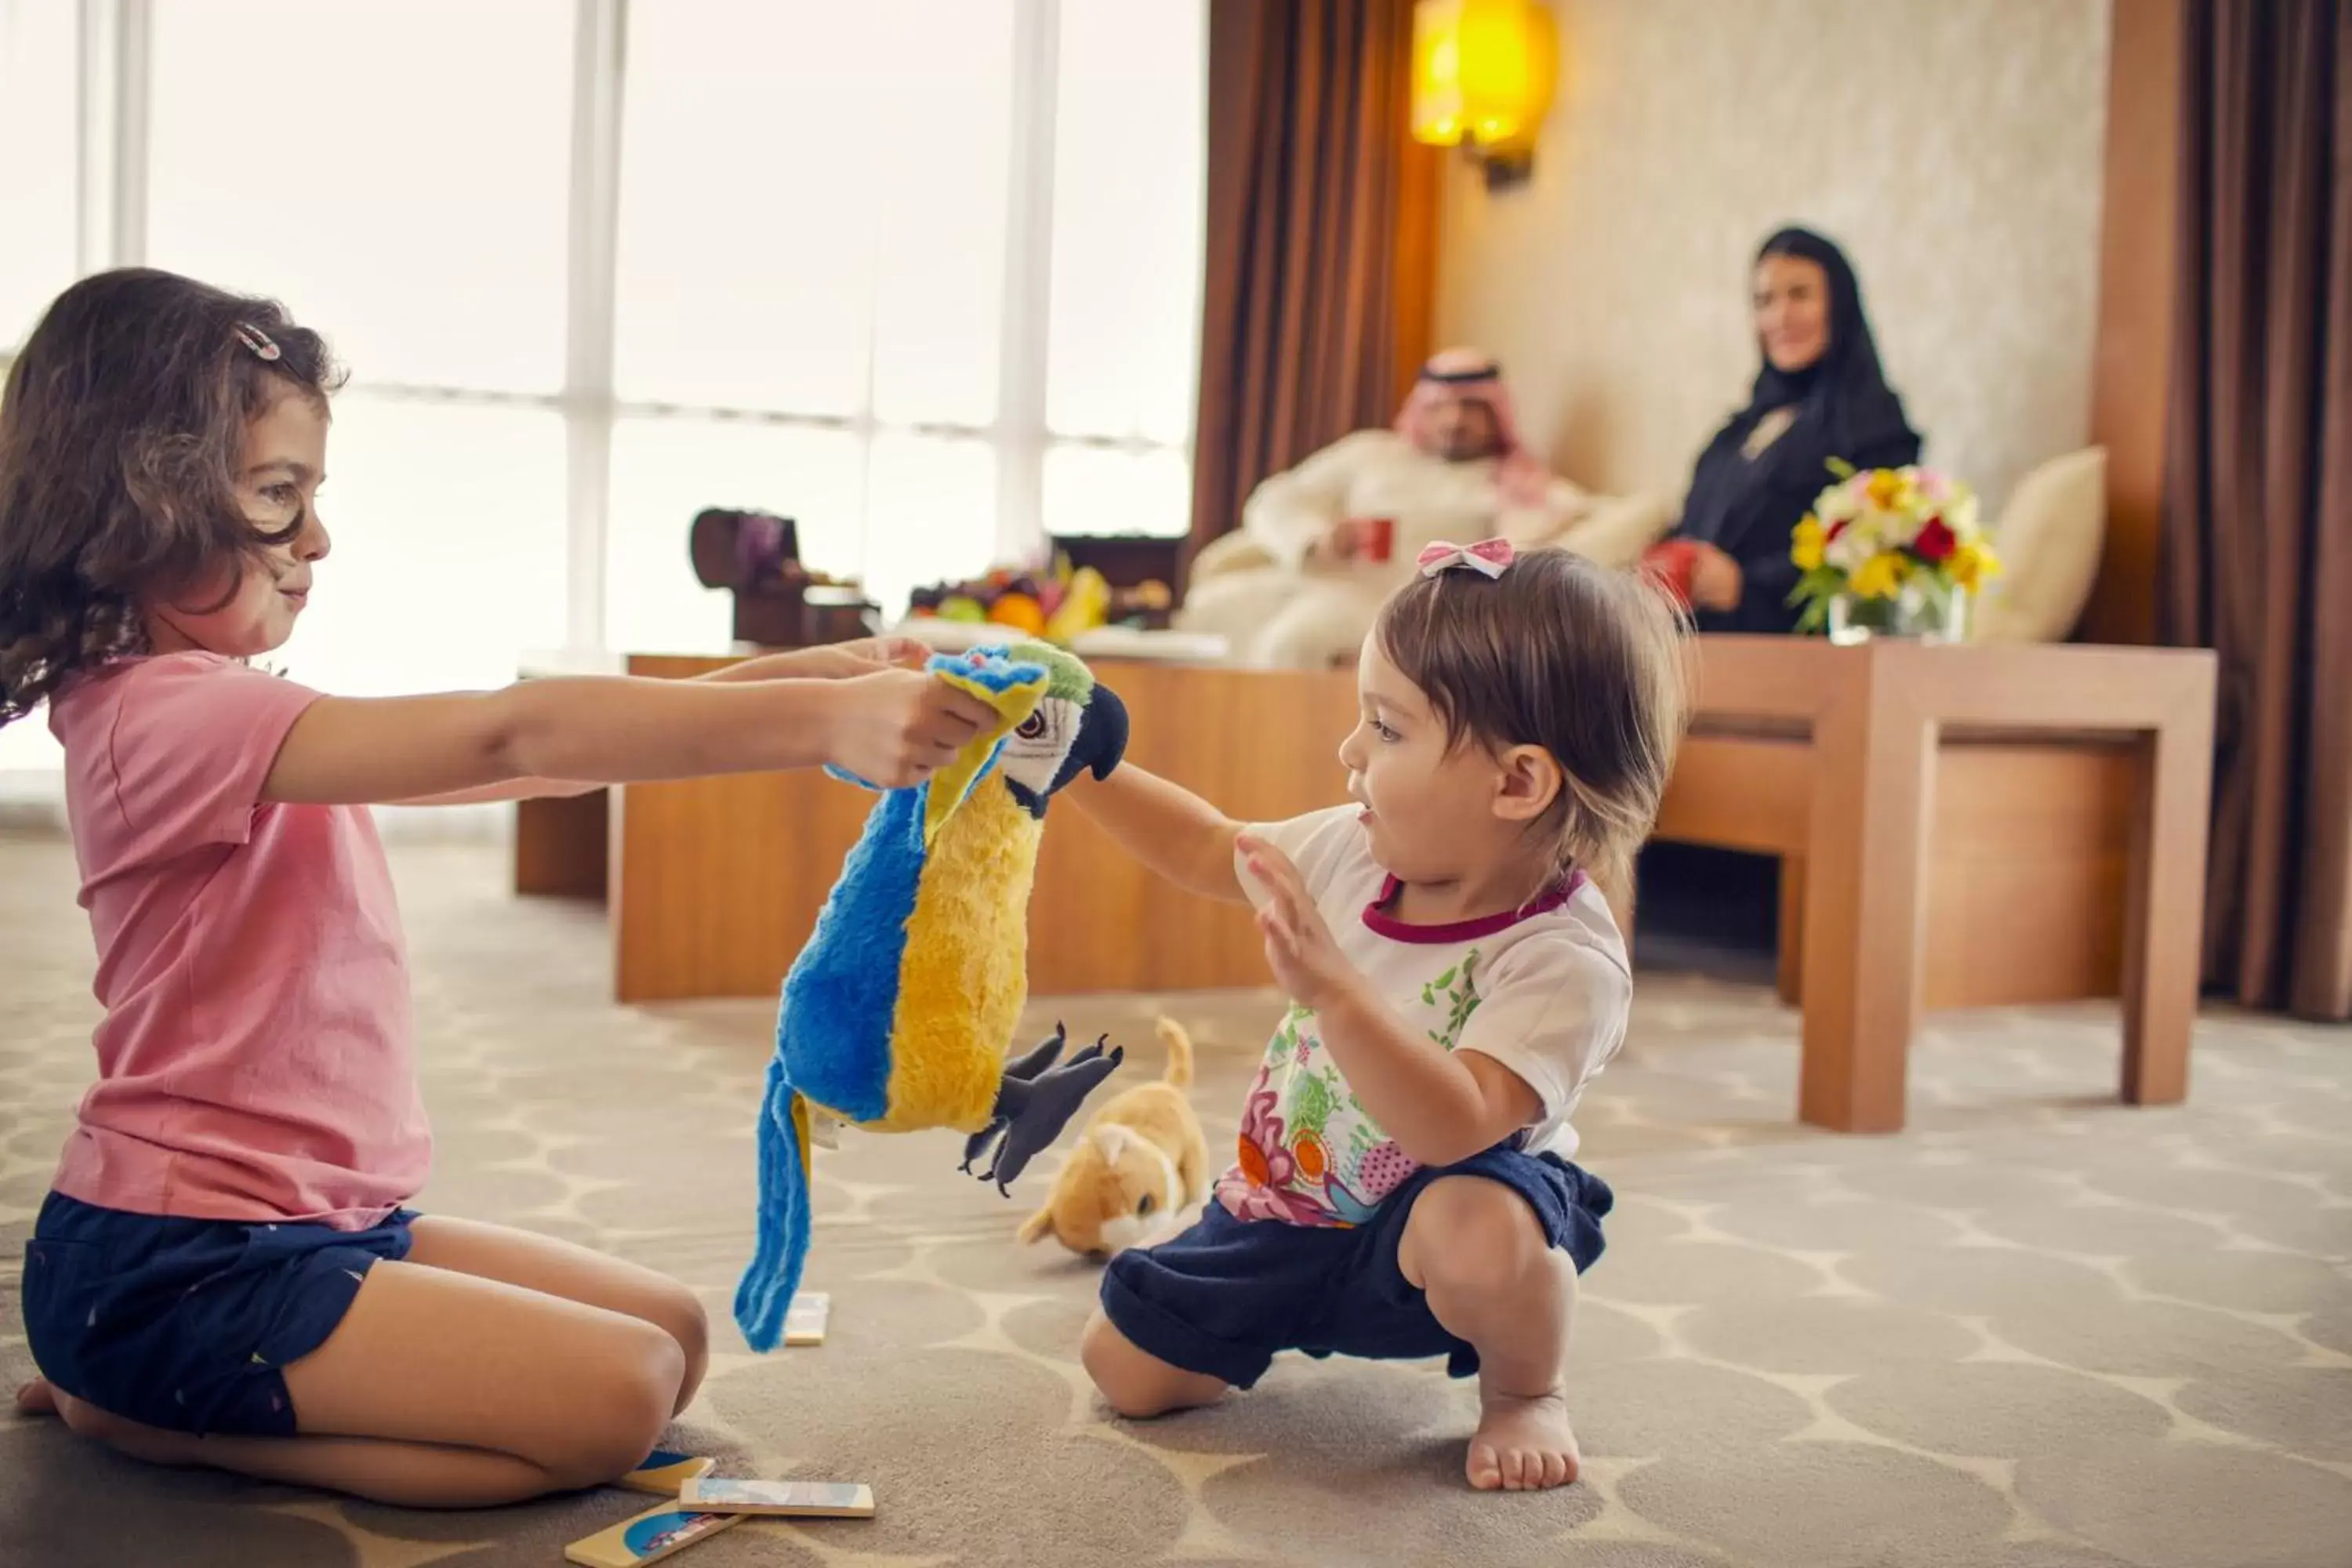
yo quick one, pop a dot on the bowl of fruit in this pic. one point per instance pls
(1059, 605)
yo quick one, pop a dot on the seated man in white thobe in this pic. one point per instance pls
(1323, 544)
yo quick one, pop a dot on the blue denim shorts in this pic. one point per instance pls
(183, 1323)
(1228, 1295)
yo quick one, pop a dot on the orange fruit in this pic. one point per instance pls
(1020, 612)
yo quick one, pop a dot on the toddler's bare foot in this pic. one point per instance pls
(1522, 1445)
(37, 1398)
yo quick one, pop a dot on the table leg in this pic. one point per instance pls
(1788, 934)
(560, 848)
(2164, 914)
(1864, 882)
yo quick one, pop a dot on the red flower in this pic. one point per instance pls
(1838, 527)
(1935, 542)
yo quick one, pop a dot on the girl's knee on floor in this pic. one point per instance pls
(1134, 1383)
(1466, 1234)
(681, 1314)
(626, 1408)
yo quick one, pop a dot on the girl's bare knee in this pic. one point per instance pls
(1121, 1373)
(1468, 1235)
(683, 1318)
(1132, 1382)
(626, 1408)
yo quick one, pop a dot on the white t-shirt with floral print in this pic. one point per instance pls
(1544, 992)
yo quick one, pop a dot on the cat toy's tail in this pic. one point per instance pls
(765, 1294)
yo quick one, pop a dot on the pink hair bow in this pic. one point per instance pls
(1488, 557)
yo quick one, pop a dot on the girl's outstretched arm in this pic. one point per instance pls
(894, 727)
(833, 661)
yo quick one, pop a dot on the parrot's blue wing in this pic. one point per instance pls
(832, 1029)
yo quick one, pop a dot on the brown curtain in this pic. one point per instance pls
(2257, 545)
(1321, 238)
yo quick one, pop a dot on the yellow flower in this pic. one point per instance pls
(1879, 576)
(1885, 489)
(1972, 565)
(1807, 544)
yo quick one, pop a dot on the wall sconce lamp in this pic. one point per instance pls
(1483, 72)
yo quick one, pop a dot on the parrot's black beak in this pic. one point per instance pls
(1101, 741)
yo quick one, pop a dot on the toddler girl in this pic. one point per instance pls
(1403, 1186)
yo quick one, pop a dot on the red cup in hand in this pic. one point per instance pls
(1376, 538)
(1673, 562)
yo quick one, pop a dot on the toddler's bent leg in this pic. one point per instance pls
(1137, 1383)
(1474, 1246)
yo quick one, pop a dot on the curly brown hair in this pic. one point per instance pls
(1556, 652)
(120, 432)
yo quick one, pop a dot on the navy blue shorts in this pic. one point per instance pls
(1229, 1294)
(183, 1323)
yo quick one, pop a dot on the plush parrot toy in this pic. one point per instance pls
(897, 1013)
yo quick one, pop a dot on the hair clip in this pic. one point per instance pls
(259, 342)
(1488, 557)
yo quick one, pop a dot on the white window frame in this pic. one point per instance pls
(111, 158)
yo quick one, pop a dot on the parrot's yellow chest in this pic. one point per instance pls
(965, 975)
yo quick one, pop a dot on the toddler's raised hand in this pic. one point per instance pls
(1300, 948)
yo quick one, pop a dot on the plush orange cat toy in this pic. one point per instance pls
(1137, 1170)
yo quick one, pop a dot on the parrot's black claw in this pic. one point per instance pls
(977, 1144)
(1034, 1110)
(1039, 1058)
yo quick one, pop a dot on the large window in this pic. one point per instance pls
(921, 274)
(422, 226)
(39, 234)
(814, 226)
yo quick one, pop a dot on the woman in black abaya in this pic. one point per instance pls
(1819, 395)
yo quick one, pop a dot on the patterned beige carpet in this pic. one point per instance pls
(2039, 1331)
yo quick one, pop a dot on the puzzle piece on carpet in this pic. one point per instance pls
(805, 1324)
(648, 1538)
(797, 1499)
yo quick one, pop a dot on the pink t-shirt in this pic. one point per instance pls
(256, 1060)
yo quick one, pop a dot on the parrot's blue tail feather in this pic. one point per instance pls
(765, 1294)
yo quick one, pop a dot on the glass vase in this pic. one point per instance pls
(1923, 608)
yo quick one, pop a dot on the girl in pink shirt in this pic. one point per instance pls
(225, 1273)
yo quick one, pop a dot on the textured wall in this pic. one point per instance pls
(1952, 146)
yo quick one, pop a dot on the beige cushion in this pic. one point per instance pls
(1618, 529)
(2049, 539)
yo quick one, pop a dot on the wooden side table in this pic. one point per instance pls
(1874, 723)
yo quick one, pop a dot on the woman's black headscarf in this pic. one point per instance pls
(1844, 409)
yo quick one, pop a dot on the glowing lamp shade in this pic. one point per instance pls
(1483, 72)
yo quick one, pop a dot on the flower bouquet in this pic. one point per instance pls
(1890, 551)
